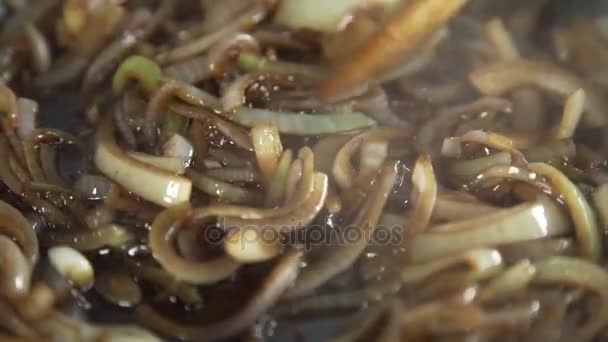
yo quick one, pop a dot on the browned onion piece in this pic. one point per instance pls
(161, 237)
(501, 77)
(279, 280)
(338, 258)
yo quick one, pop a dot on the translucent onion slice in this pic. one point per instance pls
(465, 170)
(585, 222)
(372, 156)
(173, 165)
(16, 270)
(268, 149)
(451, 208)
(524, 222)
(573, 111)
(28, 116)
(251, 246)
(501, 77)
(161, 239)
(72, 265)
(509, 172)
(180, 147)
(578, 273)
(319, 15)
(480, 263)
(148, 182)
(512, 281)
(302, 124)
(540, 249)
(424, 195)
(222, 190)
(343, 170)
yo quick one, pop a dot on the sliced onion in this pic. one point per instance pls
(449, 208)
(581, 274)
(224, 191)
(524, 222)
(28, 116)
(319, 15)
(268, 149)
(414, 24)
(501, 77)
(72, 265)
(173, 165)
(573, 111)
(301, 124)
(250, 246)
(342, 170)
(585, 222)
(424, 195)
(179, 147)
(16, 270)
(148, 182)
(161, 238)
(465, 170)
(509, 283)
(480, 263)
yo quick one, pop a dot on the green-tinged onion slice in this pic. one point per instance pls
(141, 68)
(148, 182)
(302, 124)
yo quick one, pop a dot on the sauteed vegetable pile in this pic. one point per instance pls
(429, 170)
